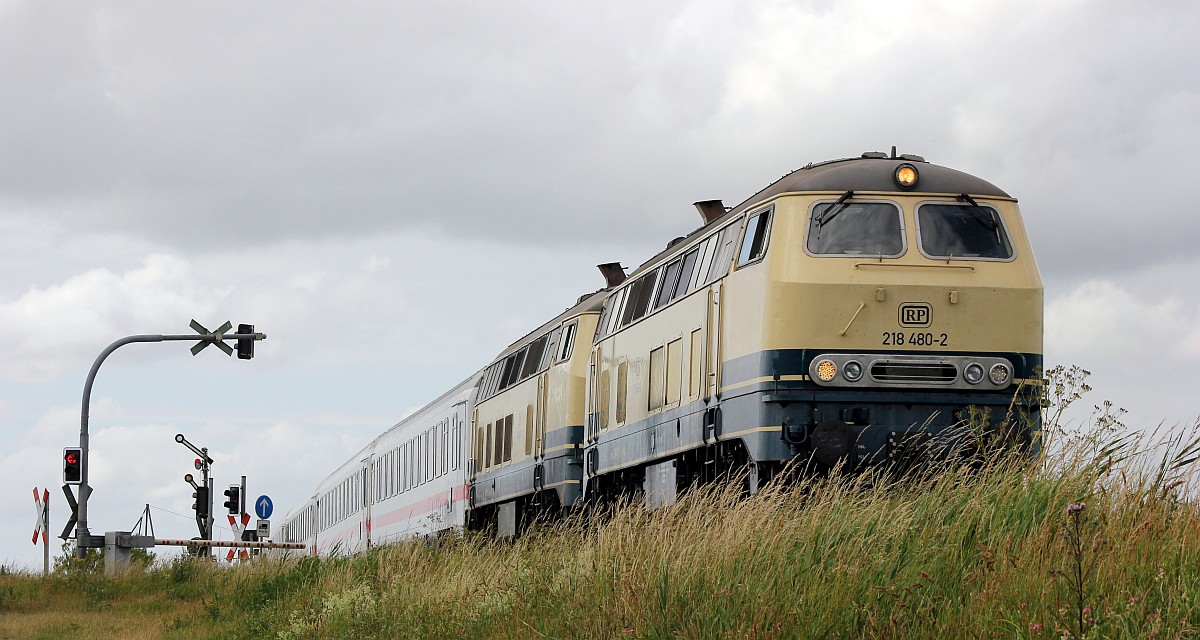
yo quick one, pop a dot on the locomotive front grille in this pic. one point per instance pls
(922, 372)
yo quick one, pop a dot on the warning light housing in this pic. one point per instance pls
(72, 465)
(906, 176)
(233, 504)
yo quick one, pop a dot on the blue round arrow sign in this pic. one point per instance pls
(263, 507)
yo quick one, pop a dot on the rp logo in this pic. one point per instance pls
(916, 314)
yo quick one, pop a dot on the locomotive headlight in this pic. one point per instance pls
(999, 374)
(906, 176)
(973, 373)
(852, 371)
(826, 370)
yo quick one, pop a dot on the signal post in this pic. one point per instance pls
(75, 459)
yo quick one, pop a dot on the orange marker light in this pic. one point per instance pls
(826, 370)
(906, 176)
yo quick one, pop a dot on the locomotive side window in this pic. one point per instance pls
(724, 252)
(705, 259)
(605, 312)
(685, 274)
(754, 243)
(847, 228)
(962, 231)
(533, 361)
(670, 278)
(639, 298)
(568, 342)
(552, 346)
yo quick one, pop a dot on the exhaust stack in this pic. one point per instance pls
(612, 272)
(710, 209)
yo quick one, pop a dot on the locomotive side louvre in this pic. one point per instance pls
(527, 426)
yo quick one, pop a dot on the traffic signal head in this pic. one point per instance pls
(233, 504)
(245, 346)
(72, 465)
(201, 504)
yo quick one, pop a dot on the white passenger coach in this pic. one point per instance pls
(419, 485)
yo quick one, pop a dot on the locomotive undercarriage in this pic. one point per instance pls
(820, 435)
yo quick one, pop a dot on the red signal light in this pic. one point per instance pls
(72, 465)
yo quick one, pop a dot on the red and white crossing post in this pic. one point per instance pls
(41, 504)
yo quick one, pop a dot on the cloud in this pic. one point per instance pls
(1102, 319)
(251, 125)
(56, 327)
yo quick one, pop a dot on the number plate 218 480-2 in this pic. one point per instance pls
(915, 339)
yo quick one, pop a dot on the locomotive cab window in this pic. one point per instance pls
(962, 231)
(754, 242)
(568, 342)
(845, 228)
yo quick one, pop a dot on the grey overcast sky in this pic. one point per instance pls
(394, 191)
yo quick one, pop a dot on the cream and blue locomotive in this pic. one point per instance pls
(526, 455)
(852, 313)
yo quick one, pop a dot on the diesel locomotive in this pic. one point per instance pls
(853, 313)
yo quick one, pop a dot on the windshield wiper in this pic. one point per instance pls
(976, 212)
(832, 211)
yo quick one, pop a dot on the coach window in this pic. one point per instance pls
(846, 228)
(962, 232)
(754, 242)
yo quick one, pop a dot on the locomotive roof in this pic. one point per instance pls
(870, 172)
(588, 302)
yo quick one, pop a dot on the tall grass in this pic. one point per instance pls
(1100, 539)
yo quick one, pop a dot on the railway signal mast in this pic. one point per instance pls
(203, 491)
(245, 337)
